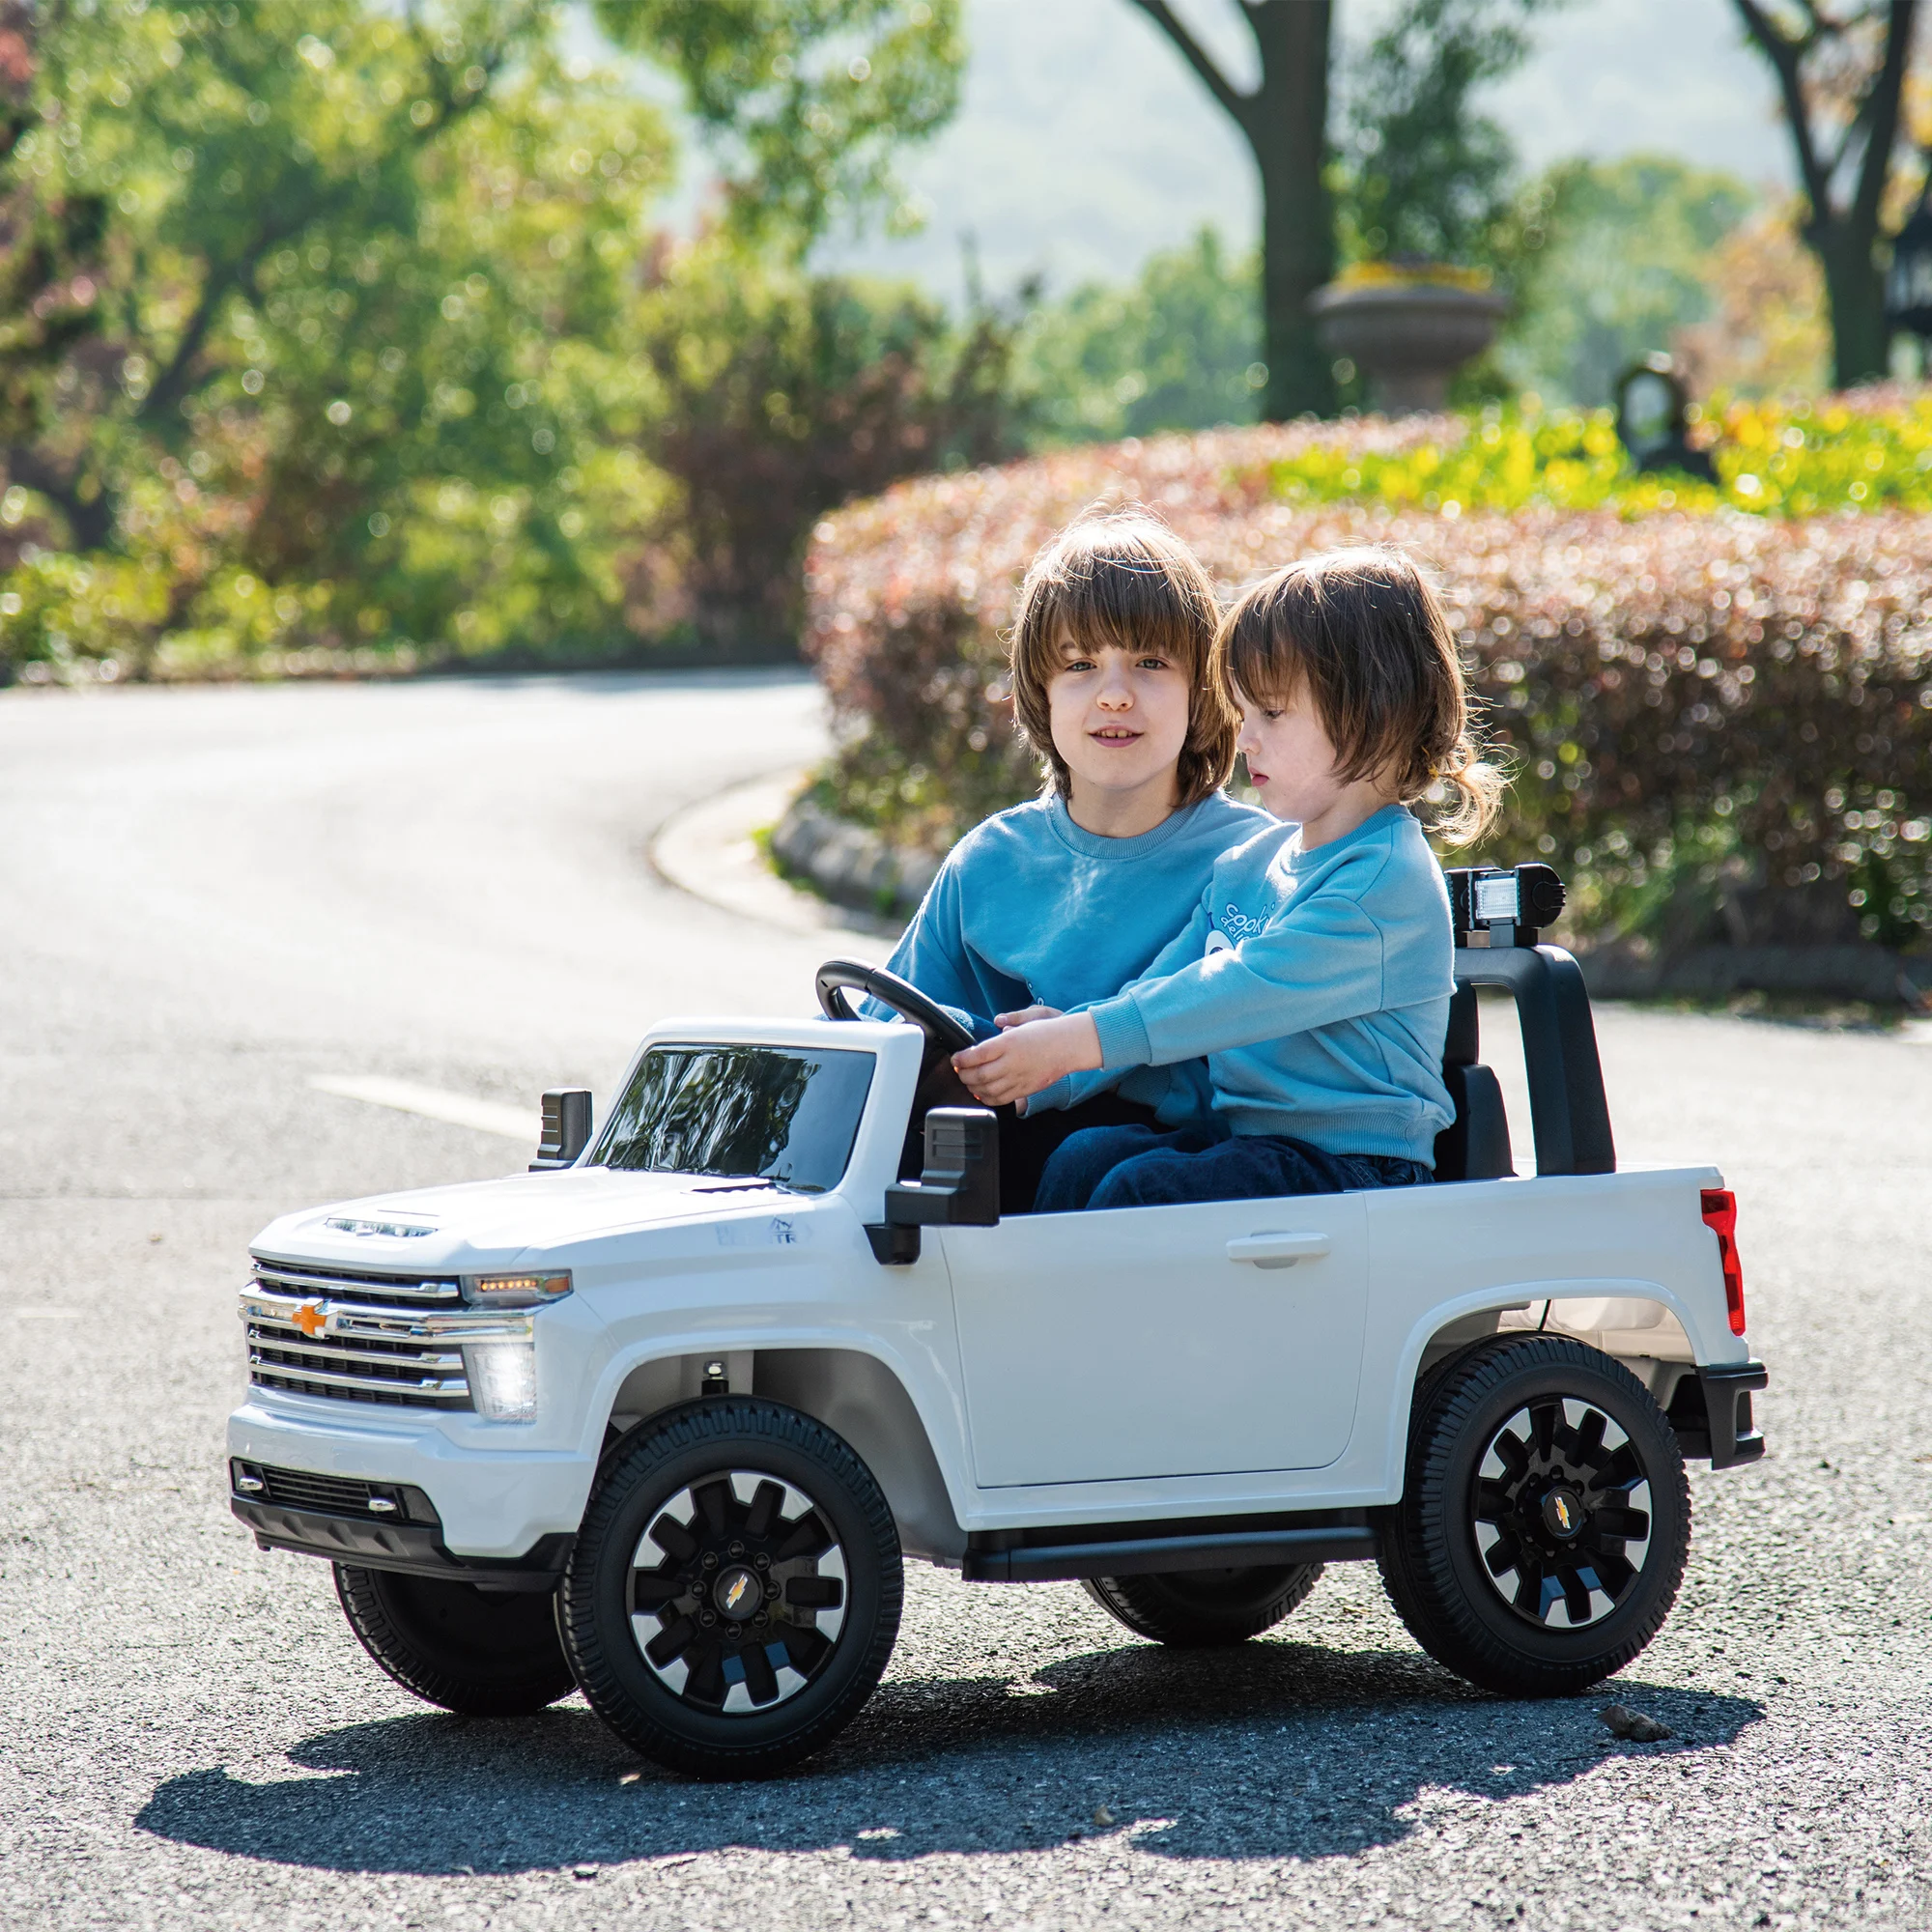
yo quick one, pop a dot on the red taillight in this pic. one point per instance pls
(1721, 1216)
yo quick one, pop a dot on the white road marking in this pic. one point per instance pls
(460, 1110)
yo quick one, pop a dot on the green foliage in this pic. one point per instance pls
(807, 99)
(1176, 349)
(1773, 458)
(1420, 172)
(345, 376)
(1612, 258)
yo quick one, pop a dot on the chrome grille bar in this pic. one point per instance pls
(436, 1387)
(445, 1292)
(290, 1343)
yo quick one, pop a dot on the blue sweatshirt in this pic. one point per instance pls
(1028, 908)
(1317, 985)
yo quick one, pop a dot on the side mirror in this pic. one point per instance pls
(566, 1129)
(959, 1185)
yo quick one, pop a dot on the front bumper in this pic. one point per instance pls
(332, 1519)
(492, 1503)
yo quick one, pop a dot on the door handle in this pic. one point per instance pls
(1277, 1251)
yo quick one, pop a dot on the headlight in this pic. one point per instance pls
(502, 1379)
(516, 1291)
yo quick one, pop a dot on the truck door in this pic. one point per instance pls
(1147, 1342)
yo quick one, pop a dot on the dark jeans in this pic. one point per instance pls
(1141, 1167)
(1029, 1142)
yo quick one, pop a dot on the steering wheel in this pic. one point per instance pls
(943, 1034)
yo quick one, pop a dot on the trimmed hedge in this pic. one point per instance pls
(1722, 721)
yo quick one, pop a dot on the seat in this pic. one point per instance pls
(1475, 1146)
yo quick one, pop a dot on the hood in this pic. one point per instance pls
(491, 1223)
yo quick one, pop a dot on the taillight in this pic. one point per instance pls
(1721, 1216)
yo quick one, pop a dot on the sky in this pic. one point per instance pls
(1083, 145)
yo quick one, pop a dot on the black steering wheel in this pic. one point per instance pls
(943, 1034)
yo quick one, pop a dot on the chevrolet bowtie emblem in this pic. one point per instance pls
(736, 1594)
(311, 1318)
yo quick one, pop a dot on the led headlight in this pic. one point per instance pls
(502, 1379)
(516, 1291)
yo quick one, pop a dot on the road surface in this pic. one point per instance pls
(214, 898)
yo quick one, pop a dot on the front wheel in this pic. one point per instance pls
(482, 1653)
(1196, 1609)
(1544, 1519)
(734, 1591)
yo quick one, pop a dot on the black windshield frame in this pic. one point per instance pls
(740, 1111)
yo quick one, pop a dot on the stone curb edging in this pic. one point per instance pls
(710, 850)
(851, 865)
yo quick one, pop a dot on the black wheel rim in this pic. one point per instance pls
(738, 1593)
(1562, 1513)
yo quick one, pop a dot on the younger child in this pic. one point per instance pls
(1316, 973)
(1065, 899)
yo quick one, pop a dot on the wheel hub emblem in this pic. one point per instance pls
(1562, 1513)
(737, 1594)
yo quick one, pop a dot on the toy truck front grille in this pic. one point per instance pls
(387, 1355)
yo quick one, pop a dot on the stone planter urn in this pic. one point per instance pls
(1409, 332)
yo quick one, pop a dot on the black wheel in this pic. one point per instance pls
(1544, 1518)
(484, 1652)
(734, 1591)
(1197, 1607)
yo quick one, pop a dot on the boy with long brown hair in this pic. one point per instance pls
(1064, 899)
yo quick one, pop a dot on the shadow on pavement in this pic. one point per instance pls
(1275, 1751)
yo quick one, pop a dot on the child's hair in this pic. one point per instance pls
(1123, 578)
(1367, 631)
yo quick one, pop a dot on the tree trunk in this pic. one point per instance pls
(1287, 121)
(1854, 295)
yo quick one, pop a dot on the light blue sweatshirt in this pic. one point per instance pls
(1317, 983)
(1029, 909)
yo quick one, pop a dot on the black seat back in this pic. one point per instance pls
(1475, 1146)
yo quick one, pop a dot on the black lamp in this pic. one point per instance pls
(1653, 413)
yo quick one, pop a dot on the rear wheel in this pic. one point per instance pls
(734, 1591)
(483, 1653)
(1197, 1607)
(1544, 1519)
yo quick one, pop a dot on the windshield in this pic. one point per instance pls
(744, 1113)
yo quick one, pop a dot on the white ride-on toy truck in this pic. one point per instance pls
(660, 1419)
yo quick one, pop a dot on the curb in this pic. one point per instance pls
(709, 851)
(851, 865)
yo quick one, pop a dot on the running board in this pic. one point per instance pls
(1148, 1555)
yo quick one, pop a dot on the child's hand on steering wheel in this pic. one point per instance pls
(1031, 1054)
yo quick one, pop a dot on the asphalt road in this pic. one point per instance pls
(209, 898)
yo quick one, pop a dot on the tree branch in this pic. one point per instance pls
(1784, 55)
(1237, 103)
(1881, 103)
(92, 522)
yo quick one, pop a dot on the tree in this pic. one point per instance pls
(1420, 172)
(1839, 78)
(784, 395)
(336, 359)
(1423, 173)
(805, 101)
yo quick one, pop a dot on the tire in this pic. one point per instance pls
(734, 1591)
(481, 1653)
(1544, 1519)
(1195, 1609)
